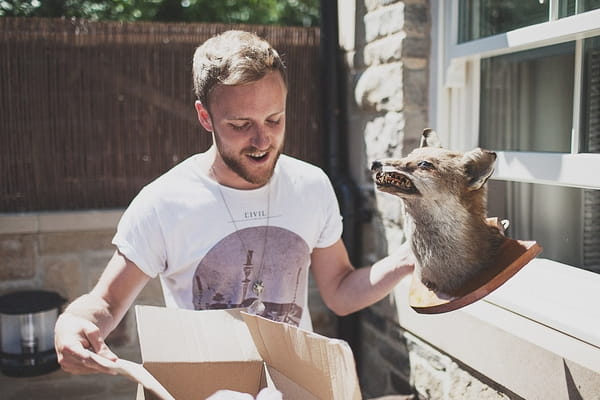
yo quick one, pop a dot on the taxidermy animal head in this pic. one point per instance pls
(444, 193)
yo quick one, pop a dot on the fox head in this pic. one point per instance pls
(431, 172)
(444, 193)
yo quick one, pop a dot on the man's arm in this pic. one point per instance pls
(345, 289)
(90, 318)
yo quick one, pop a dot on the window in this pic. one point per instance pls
(522, 78)
(482, 18)
(526, 101)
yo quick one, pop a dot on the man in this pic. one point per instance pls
(236, 226)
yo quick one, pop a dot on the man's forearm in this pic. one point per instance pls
(366, 286)
(96, 310)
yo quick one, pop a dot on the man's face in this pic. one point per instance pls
(248, 124)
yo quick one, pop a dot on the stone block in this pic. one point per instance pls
(422, 352)
(18, 224)
(383, 135)
(400, 384)
(377, 240)
(374, 4)
(346, 24)
(386, 309)
(92, 267)
(414, 47)
(17, 257)
(63, 275)
(380, 88)
(374, 380)
(416, 120)
(416, 82)
(385, 50)
(396, 354)
(394, 234)
(324, 321)
(462, 385)
(426, 382)
(391, 210)
(384, 21)
(417, 21)
(79, 221)
(429, 369)
(374, 320)
(72, 242)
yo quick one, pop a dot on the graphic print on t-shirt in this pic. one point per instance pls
(273, 256)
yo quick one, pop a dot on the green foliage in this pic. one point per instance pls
(277, 12)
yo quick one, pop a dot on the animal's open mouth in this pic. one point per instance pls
(394, 181)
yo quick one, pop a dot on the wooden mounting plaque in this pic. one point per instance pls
(513, 255)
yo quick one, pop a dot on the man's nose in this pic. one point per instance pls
(375, 165)
(260, 139)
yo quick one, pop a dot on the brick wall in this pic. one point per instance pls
(387, 45)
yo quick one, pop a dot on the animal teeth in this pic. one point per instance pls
(393, 179)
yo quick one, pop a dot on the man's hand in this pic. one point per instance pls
(74, 338)
(81, 329)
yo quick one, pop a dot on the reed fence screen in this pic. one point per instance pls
(93, 111)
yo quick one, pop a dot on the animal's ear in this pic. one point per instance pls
(479, 166)
(429, 138)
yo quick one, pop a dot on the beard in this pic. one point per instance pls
(235, 163)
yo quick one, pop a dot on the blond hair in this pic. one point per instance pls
(233, 58)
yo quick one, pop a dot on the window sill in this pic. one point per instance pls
(61, 221)
(534, 335)
(548, 168)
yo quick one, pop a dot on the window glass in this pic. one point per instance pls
(482, 18)
(571, 7)
(588, 5)
(527, 100)
(564, 221)
(590, 102)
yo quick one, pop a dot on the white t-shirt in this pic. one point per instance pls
(179, 228)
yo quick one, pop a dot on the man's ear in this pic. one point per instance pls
(429, 138)
(479, 166)
(203, 116)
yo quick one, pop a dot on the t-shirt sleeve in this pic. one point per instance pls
(333, 226)
(139, 235)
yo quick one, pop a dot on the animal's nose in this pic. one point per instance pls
(376, 165)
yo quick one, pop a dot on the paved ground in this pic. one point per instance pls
(62, 386)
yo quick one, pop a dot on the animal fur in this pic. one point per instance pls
(444, 194)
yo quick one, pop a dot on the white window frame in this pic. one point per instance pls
(561, 304)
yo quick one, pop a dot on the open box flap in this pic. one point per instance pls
(209, 336)
(198, 381)
(323, 366)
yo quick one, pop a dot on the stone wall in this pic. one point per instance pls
(66, 253)
(386, 45)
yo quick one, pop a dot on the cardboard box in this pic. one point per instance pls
(193, 354)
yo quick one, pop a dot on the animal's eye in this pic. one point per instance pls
(424, 164)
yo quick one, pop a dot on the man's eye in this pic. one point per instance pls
(273, 122)
(424, 164)
(242, 127)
